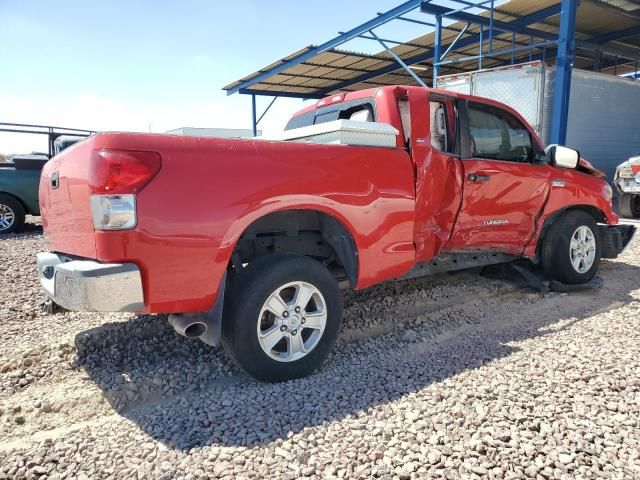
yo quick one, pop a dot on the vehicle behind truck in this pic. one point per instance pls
(20, 176)
(19, 180)
(627, 181)
(247, 243)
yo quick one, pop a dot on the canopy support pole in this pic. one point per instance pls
(399, 60)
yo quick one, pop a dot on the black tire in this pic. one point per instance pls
(556, 249)
(244, 303)
(629, 205)
(9, 204)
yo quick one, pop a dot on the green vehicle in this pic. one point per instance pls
(19, 182)
(20, 178)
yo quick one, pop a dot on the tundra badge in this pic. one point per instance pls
(496, 221)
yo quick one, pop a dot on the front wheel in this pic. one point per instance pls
(571, 249)
(284, 314)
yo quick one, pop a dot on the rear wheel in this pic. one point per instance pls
(571, 249)
(629, 205)
(11, 214)
(284, 314)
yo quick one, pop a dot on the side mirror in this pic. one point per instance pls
(563, 157)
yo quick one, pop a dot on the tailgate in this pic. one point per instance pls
(64, 202)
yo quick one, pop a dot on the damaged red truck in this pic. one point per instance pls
(247, 242)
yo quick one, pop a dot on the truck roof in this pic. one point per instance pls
(373, 92)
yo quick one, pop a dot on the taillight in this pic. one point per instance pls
(113, 212)
(115, 176)
(122, 171)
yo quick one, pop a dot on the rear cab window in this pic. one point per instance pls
(362, 110)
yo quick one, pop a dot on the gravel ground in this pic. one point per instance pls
(455, 376)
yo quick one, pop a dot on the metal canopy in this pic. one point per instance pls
(607, 38)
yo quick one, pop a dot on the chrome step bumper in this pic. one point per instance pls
(87, 285)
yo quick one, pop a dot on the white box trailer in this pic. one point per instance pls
(604, 110)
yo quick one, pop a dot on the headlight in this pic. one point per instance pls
(625, 172)
(113, 212)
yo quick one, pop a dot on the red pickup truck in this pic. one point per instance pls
(248, 242)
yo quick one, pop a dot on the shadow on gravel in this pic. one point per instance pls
(28, 229)
(186, 394)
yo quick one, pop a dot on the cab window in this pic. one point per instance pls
(498, 135)
(442, 121)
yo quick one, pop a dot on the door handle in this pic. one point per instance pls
(474, 177)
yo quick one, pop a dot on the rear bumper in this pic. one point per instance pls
(87, 285)
(615, 239)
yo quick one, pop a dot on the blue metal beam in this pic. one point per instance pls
(465, 42)
(521, 29)
(271, 93)
(395, 42)
(266, 110)
(452, 44)
(254, 116)
(436, 50)
(334, 42)
(399, 60)
(498, 52)
(620, 34)
(564, 67)
(485, 21)
(412, 20)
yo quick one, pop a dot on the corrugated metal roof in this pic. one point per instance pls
(598, 21)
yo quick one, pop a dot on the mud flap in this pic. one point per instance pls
(213, 318)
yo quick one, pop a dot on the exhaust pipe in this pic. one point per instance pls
(188, 324)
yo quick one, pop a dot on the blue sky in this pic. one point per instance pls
(140, 65)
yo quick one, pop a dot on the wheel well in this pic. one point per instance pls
(597, 215)
(17, 199)
(301, 232)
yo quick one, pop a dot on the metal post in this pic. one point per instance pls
(254, 116)
(480, 53)
(436, 50)
(51, 140)
(635, 70)
(491, 29)
(564, 68)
